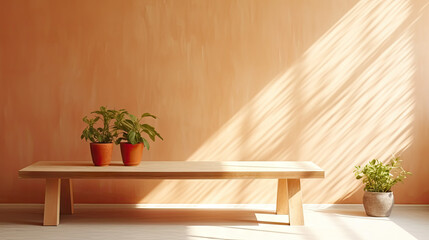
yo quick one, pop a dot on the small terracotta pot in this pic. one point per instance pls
(131, 153)
(378, 204)
(101, 153)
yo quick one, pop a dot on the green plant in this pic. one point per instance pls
(379, 177)
(104, 133)
(131, 128)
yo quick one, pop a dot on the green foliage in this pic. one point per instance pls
(104, 133)
(131, 128)
(379, 177)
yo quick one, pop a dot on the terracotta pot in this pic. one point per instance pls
(131, 153)
(101, 153)
(378, 204)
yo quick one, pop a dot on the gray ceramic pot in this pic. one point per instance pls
(378, 204)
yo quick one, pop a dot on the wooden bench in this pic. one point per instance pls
(59, 193)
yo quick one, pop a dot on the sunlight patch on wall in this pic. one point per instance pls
(347, 100)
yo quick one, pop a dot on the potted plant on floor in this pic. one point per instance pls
(132, 129)
(378, 199)
(101, 137)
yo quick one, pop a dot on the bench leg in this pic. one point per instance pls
(296, 214)
(51, 215)
(66, 196)
(282, 206)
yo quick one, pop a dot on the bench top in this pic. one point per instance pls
(175, 170)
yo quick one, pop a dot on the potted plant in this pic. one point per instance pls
(101, 137)
(132, 129)
(378, 199)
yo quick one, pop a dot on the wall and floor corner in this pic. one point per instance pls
(333, 82)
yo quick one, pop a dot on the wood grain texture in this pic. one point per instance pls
(175, 170)
(67, 196)
(282, 206)
(51, 215)
(296, 213)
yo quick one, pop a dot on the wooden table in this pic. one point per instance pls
(59, 193)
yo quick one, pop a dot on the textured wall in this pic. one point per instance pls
(334, 82)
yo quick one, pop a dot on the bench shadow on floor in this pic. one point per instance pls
(135, 216)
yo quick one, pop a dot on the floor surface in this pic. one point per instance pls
(230, 222)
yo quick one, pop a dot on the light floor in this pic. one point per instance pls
(213, 222)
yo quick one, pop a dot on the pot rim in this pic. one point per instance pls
(130, 143)
(378, 192)
(100, 143)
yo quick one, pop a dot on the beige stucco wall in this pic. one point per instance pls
(333, 82)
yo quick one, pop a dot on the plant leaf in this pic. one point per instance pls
(148, 115)
(132, 137)
(146, 143)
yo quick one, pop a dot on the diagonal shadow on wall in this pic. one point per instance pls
(349, 98)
